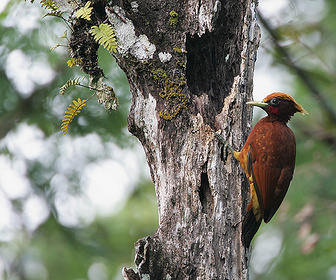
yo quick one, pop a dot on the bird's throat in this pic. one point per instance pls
(274, 110)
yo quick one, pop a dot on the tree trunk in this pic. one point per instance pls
(190, 66)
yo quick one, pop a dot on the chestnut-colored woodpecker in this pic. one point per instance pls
(268, 160)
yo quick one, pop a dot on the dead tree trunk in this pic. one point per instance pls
(190, 66)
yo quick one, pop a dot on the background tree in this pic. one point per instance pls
(39, 220)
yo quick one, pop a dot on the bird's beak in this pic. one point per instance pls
(260, 104)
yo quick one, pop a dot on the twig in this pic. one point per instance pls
(318, 133)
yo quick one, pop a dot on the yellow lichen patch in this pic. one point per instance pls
(159, 74)
(175, 98)
(182, 53)
(173, 19)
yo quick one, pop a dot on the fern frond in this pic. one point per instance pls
(74, 61)
(73, 82)
(53, 13)
(85, 12)
(71, 112)
(51, 5)
(65, 35)
(55, 47)
(105, 36)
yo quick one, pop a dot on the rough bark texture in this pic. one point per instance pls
(190, 66)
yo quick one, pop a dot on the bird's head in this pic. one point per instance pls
(279, 105)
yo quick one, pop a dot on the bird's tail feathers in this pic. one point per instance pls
(250, 228)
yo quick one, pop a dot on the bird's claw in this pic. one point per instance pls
(224, 142)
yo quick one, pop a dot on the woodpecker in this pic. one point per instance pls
(268, 160)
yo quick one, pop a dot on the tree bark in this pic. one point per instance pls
(190, 66)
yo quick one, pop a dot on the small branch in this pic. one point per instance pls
(117, 14)
(301, 73)
(320, 134)
(91, 96)
(91, 88)
(322, 61)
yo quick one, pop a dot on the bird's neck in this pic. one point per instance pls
(278, 118)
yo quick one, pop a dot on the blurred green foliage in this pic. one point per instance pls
(305, 225)
(64, 243)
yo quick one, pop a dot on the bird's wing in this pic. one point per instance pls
(272, 167)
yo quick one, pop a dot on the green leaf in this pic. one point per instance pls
(71, 112)
(72, 82)
(49, 4)
(105, 36)
(73, 62)
(85, 12)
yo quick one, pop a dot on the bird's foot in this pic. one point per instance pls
(220, 137)
(225, 143)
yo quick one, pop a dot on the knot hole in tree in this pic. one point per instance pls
(205, 195)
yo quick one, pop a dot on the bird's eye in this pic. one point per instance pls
(275, 101)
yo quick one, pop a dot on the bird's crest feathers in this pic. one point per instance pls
(285, 96)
